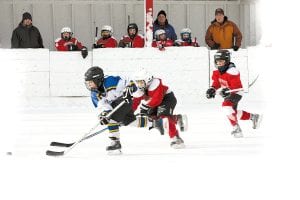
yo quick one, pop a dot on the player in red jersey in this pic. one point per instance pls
(161, 41)
(69, 43)
(225, 78)
(186, 38)
(157, 101)
(106, 40)
(133, 39)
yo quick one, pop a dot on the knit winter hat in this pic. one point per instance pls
(219, 11)
(26, 15)
(162, 12)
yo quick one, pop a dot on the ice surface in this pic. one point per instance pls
(213, 165)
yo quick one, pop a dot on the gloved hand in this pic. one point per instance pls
(211, 93)
(128, 91)
(103, 119)
(161, 47)
(235, 48)
(84, 52)
(215, 46)
(144, 109)
(225, 92)
(177, 43)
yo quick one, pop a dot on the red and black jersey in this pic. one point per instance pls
(110, 42)
(180, 42)
(162, 43)
(137, 42)
(60, 44)
(153, 95)
(230, 79)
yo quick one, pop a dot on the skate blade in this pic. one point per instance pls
(114, 152)
(238, 135)
(184, 128)
(258, 122)
(178, 146)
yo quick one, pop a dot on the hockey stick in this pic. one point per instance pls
(239, 89)
(96, 35)
(61, 144)
(61, 153)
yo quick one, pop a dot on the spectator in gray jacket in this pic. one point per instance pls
(26, 35)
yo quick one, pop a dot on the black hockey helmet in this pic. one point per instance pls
(222, 54)
(96, 75)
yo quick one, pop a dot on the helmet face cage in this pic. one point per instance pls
(158, 33)
(142, 79)
(132, 26)
(105, 29)
(222, 55)
(66, 30)
(184, 32)
(95, 75)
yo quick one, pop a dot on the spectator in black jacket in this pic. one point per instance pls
(26, 35)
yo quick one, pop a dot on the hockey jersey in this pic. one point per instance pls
(153, 95)
(230, 79)
(162, 43)
(107, 43)
(113, 88)
(137, 42)
(180, 42)
(60, 44)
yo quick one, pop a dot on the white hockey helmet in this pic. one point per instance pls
(142, 78)
(107, 28)
(158, 33)
(186, 31)
(66, 30)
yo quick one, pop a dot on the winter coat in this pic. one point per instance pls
(223, 34)
(26, 37)
(170, 32)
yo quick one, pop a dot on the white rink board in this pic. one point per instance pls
(186, 70)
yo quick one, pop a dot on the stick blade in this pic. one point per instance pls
(60, 144)
(55, 153)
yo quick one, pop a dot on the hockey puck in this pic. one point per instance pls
(9, 153)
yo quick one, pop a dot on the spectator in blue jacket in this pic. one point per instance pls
(162, 23)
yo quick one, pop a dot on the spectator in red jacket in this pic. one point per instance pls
(161, 41)
(133, 39)
(106, 40)
(186, 38)
(68, 43)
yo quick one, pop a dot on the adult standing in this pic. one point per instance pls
(162, 23)
(222, 33)
(26, 35)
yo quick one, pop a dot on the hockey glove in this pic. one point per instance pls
(128, 91)
(103, 119)
(215, 46)
(225, 92)
(144, 109)
(84, 52)
(211, 93)
(235, 48)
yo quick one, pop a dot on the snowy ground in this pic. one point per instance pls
(214, 165)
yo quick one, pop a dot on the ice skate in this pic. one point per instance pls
(182, 121)
(256, 119)
(237, 131)
(115, 146)
(177, 142)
